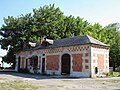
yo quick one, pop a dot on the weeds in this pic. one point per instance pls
(18, 85)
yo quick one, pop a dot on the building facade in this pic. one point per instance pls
(79, 56)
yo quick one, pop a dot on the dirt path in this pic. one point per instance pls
(37, 82)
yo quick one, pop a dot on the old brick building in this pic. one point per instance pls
(79, 56)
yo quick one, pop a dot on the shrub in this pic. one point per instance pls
(113, 74)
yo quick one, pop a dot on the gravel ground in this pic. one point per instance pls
(60, 83)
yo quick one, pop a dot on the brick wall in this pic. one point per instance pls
(100, 61)
(52, 62)
(77, 62)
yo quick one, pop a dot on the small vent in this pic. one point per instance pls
(43, 54)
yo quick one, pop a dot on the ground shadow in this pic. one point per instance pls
(35, 76)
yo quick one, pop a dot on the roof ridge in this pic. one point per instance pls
(95, 41)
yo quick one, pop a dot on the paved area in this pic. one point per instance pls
(61, 83)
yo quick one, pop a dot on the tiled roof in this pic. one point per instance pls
(77, 40)
(95, 41)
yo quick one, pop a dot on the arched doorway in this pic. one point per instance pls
(34, 62)
(65, 64)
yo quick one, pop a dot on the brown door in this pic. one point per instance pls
(65, 64)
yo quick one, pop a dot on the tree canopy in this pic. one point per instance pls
(51, 22)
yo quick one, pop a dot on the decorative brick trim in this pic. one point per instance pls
(86, 67)
(94, 55)
(86, 54)
(94, 61)
(86, 61)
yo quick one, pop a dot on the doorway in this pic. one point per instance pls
(19, 63)
(26, 64)
(35, 66)
(34, 62)
(43, 65)
(65, 64)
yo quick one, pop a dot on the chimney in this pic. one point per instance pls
(41, 40)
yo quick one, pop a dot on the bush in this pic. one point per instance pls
(113, 74)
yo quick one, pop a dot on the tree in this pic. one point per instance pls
(10, 58)
(113, 37)
(15, 32)
(48, 22)
(70, 26)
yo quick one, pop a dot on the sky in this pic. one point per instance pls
(94, 11)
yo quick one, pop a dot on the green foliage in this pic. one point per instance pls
(113, 74)
(10, 57)
(49, 21)
(113, 37)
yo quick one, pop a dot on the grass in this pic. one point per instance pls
(21, 87)
(18, 85)
(113, 74)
